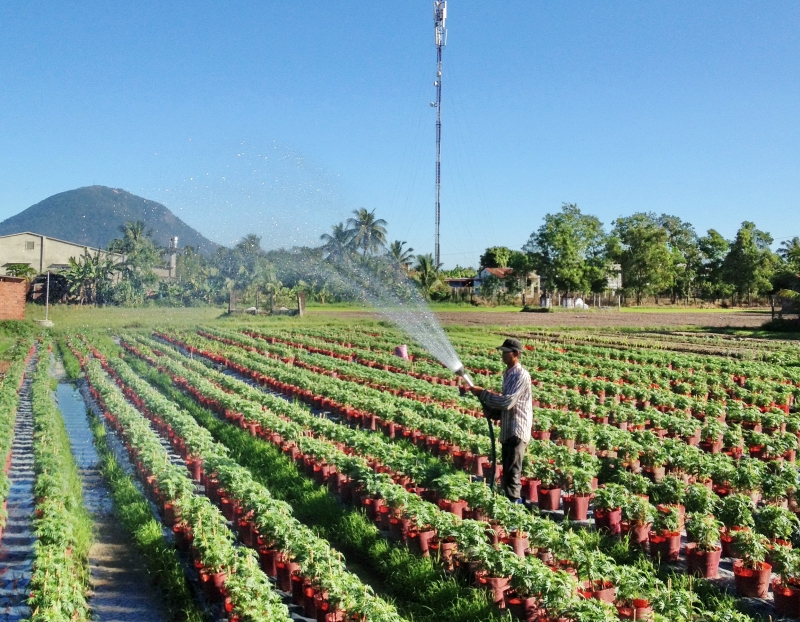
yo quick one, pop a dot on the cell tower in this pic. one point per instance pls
(439, 18)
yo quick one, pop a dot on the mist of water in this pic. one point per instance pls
(393, 295)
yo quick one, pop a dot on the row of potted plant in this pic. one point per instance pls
(496, 565)
(577, 369)
(190, 378)
(229, 573)
(59, 582)
(439, 429)
(256, 512)
(684, 426)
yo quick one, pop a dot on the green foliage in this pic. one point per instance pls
(750, 262)
(495, 257)
(643, 251)
(568, 251)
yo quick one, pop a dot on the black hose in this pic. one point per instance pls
(493, 471)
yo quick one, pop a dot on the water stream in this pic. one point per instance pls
(121, 585)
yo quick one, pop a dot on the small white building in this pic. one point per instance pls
(43, 253)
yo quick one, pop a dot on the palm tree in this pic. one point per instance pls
(790, 252)
(399, 255)
(368, 233)
(337, 242)
(427, 273)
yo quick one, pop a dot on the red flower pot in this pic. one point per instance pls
(609, 521)
(787, 599)
(525, 609)
(576, 507)
(751, 582)
(639, 534)
(498, 585)
(549, 499)
(666, 546)
(702, 563)
(530, 489)
(518, 542)
(603, 590)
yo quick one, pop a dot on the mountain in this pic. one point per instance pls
(93, 216)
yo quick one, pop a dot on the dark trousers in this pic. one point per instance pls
(513, 452)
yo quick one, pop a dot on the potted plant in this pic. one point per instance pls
(670, 492)
(776, 523)
(638, 515)
(751, 573)
(597, 569)
(665, 537)
(576, 504)
(654, 459)
(498, 565)
(786, 586)
(700, 500)
(747, 476)
(736, 514)
(608, 502)
(703, 551)
(711, 436)
(733, 440)
(549, 492)
(635, 590)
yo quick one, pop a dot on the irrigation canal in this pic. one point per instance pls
(121, 586)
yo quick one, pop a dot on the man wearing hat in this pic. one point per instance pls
(514, 409)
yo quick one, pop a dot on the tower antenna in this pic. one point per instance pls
(439, 18)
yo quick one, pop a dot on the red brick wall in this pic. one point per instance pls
(12, 299)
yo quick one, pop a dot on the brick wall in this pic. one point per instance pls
(12, 298)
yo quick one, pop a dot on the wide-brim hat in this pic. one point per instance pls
(511, 345)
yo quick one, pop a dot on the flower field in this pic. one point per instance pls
(312, 474)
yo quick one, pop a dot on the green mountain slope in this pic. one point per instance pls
(93, 215)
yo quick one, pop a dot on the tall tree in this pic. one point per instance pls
(790, 253)
(643, 252)
(399, 254)
(568, 250)
(427, 273)
(686, 257)
(713, 249)
(368, 232)
(495, 257)
(750, 264)
(337, 242)
(141, 255)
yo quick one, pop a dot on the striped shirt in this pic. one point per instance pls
(515, 404)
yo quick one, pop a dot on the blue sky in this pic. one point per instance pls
(280, 118)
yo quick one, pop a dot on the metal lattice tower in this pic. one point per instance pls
(439, 18)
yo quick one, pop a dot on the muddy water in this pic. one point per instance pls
(121, 586)
(16, 547)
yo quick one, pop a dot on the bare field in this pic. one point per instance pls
(601, 319)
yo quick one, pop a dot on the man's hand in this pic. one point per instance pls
(476, 391)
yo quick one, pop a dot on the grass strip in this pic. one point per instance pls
(422, 591)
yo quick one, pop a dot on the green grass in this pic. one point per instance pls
(88, 317)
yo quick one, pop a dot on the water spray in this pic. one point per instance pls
(462, 373)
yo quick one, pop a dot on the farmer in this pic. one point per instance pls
(514, 409)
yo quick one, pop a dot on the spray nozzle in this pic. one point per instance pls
(463, 374)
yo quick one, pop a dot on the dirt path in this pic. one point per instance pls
(120, 583)
(589, 319)
(16, 546)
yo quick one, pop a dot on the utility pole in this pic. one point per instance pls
(439, 18)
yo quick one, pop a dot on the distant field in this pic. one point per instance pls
(669, 318)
